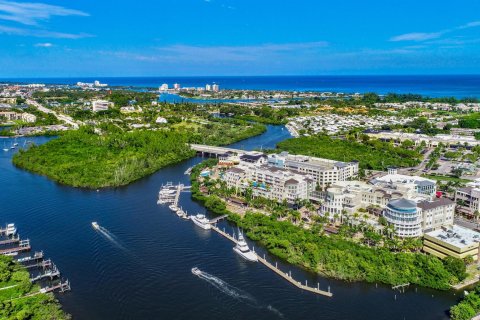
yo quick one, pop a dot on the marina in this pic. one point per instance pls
(105, 275)
(42, 271)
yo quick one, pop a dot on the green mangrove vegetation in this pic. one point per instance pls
(84, 158)
(20, 300)
(468, 307)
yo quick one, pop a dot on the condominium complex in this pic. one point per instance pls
(349, 196)
(270, 182)
(283, 176)
(16, 116)
(323, 171)
(101, 105)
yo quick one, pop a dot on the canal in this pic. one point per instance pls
(140, 267)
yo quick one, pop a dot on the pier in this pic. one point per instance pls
(274, 268)
(24, 245)
(15, 239)
(296, 283)
(38, 268)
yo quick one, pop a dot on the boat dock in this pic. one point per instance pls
(10, 241)
(43, 271)
(274, 268)
(298, 284)
(170, 194)
(215, 220)
(23, 245)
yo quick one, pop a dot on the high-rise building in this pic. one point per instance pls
(208, 87)
(216, 87)
(163, 87)
(176, 86)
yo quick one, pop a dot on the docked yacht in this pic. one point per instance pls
(201, 221)
(180, 212)
(243, 250)
(196, 271)
(173, 207)
(95, 225)
(11, 230)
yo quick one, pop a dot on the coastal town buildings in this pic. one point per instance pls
(101, 105)
(16, 116)
(413, 219)
(420, 184)
(454, 241)
(468, 200)
(283, 176)
(430, 141)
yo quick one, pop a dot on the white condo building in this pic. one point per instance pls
(101, 105)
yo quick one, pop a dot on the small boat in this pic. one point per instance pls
(180, 212)
(5, 149)
(243, 250)
(173, 207)
(196, 271)
(95, 225)
(201, 221)
(11, 254)
(11, 230)
(185, 217)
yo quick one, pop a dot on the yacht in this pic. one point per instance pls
(196, 271)
(11, 230)
(95, 225)
(243, 250)
(173, 207)
(201, 221)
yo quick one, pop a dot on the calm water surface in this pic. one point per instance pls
(140, 269)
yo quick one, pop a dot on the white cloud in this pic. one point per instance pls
(40, 33)
(31, 13)
(44, 45)
(224, 54)
(417, 36)
(423, 36)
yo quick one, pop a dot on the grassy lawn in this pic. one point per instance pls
(445, 178)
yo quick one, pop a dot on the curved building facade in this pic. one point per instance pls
(404, 215)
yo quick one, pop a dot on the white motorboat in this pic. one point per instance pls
(185, 216)
(196, 271)
(11, 230)
(243, 250)
(5, 149)
(95, 225)
(180, 212)
(173, 207)
(201, 221)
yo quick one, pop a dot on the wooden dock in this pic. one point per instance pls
(24, 245)
(10, 240)
(275, 269)
(296, 283)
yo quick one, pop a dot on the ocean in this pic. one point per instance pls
(459, 86)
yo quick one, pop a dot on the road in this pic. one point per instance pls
(59, 116)
(466, 223)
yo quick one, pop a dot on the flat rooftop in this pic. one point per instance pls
(456, 236)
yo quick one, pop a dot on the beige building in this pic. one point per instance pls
(454, 241)
(16, 116)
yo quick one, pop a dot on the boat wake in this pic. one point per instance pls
(112, 238)
(235, 293)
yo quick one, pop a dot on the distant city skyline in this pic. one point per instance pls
(51, 38)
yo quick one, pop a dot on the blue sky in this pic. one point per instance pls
(238, 37)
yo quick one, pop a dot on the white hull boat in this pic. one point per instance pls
(201, 221)
(243, 250)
